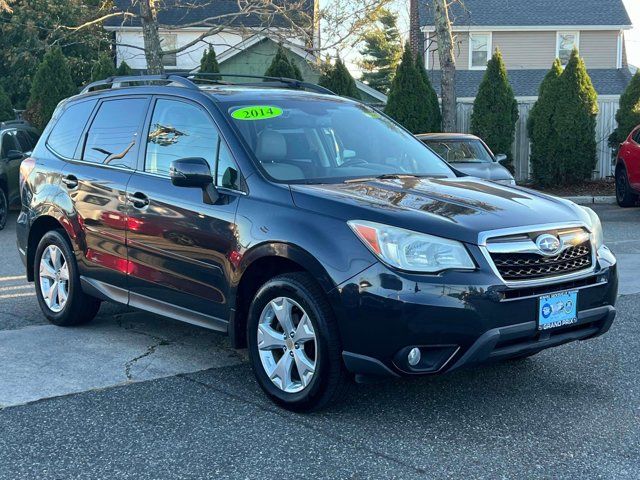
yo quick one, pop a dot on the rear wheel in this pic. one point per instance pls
(4, 208)
(58, 283)
(294, 345)
(624, 194)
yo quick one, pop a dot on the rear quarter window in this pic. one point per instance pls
(65, 135)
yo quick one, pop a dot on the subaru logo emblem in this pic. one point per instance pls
(549, 245)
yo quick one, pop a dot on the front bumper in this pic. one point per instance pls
(457, 319)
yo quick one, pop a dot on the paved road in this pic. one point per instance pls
(137, 396)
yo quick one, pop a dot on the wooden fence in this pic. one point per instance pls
(522, 147)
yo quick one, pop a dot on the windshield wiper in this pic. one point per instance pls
(386, 176)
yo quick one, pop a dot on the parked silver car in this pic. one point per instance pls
(470, 155)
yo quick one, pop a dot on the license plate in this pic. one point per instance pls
(557, 310)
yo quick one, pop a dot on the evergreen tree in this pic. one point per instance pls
(6, 109)
(51, 84)
(338, 79)
(27, 33)
(574, 122)
(381, 52)
(408, 101)
(545, 167)
(282, 66)
(124, 70)
(209, 62)
(103, 67)
(435, 115)
(495, 110)
(628, 117)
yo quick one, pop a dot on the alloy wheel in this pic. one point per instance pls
(54, 278)
(287, 344)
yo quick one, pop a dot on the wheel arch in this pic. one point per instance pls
(259, 265)
(38, 229)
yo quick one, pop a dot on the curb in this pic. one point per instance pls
(588, 200)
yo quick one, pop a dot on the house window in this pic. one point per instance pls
(479, 50)
(168, 42)
(565, 43)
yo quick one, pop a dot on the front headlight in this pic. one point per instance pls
(596, 227)
(412, 251)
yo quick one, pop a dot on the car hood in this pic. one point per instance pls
(486, 170)
(456, 208)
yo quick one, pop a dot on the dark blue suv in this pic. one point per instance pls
(310, 228)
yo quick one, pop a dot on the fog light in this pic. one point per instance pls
(414, 357)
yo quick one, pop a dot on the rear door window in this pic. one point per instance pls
(66, 133)
(26, 142)
(113, 136)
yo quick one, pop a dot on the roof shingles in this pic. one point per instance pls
(531, 13)
(526, 83)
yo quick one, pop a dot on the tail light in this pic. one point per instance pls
(26, 167)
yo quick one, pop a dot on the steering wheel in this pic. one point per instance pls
(351, 162)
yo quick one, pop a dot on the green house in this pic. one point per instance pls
(253, 56)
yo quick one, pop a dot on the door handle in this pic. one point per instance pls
(139, 200)
(70, 181)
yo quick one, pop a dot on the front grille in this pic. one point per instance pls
(531, 266)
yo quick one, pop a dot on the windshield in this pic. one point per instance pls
(461, 151)
(311, 140)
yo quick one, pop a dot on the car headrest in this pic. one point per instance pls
(271, 146)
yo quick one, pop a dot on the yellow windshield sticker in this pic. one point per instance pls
(256, 112)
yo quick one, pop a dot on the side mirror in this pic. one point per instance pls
(14, 155)
(194, 173)
(500, 158)
(347, 154)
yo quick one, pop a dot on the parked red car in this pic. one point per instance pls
(628, 170)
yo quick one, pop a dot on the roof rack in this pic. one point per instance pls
(191, 79)
(13, 123)
(116, 82)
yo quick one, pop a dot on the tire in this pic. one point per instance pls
(624, 194)
(4, 208)
(301, 293)
(78, 308)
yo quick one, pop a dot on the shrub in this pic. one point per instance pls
(282, 66)
(628, 117)
(544, 165)
(495, 110)
(6, 109)
(338, 79)
(574, 122)
(51, 84)
(103, 67)
(408, 101)
(209, 62)
(124, 70)
(435, 115)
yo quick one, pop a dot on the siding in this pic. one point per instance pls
(599, 49)
(526, 50)
(521, 149)
(460, 48)
(534, 49)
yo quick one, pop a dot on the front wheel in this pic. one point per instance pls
(57, 280)
(4, 208)
(294, 345)
(624, 195)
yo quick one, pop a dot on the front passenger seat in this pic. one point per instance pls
(271, 151)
